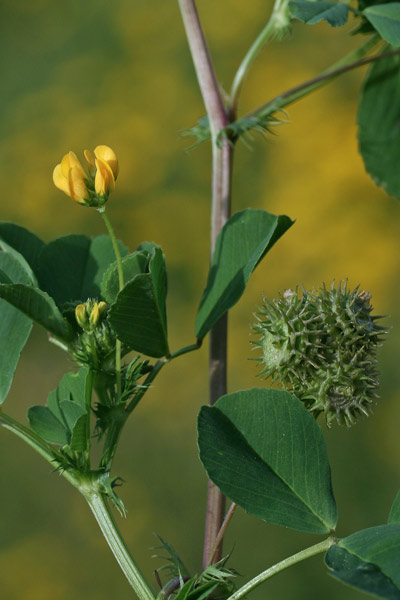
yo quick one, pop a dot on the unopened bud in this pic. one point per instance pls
(102, 308)
(94, 315)
(81, 316)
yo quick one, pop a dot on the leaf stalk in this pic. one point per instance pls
(280, 566)
(353, 60)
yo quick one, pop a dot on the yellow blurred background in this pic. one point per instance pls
(77, 74)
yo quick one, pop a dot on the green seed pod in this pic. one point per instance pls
(321, 345)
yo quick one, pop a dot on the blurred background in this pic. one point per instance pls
(74, 75)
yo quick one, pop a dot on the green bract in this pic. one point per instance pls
(321, 345)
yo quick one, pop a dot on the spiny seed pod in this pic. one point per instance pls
(321, 345)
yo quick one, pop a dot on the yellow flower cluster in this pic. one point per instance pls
(88, 315)
(91, 187)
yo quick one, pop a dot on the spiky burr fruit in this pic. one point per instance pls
(321, 345)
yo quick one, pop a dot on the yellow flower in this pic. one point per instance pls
(89, 188)
(70, 177)
(81, 316)
(94, 315)
(104, 181)
(109, 156)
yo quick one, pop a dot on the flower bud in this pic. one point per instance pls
(102, 308)
(81, 316)
(94, 316)
(95, 345)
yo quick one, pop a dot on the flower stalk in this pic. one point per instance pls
(117, 253)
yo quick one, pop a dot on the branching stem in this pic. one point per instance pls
(353, 60)
(35, 442)
(274, 25)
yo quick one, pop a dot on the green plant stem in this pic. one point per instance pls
(222, 156)
(35, 442)
(146, 384)
(114, 242)
(97, 503)
(272, 27)
(112, 438)
(109, 529)
(353, 60)
(280, 566)
(116, 427)
(117, 253)
(88, 406)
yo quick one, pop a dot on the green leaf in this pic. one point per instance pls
(311, 12)
(174, 563)
(378, 120)
(79, 434)
(38, 306)
(71, 413)
(14, 326)
(369, 560)
(359, 574)
(25, 242)
(71, 267)
(243, 242)
(394, 515)
(386, 20)
(73, 385)
(45, 423)
(265, 452)
(29, 276)
(203, 591)
(139, 314)
(132, 265)
(185, 589)
(63, 420)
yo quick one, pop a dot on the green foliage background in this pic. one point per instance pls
(75, 75)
